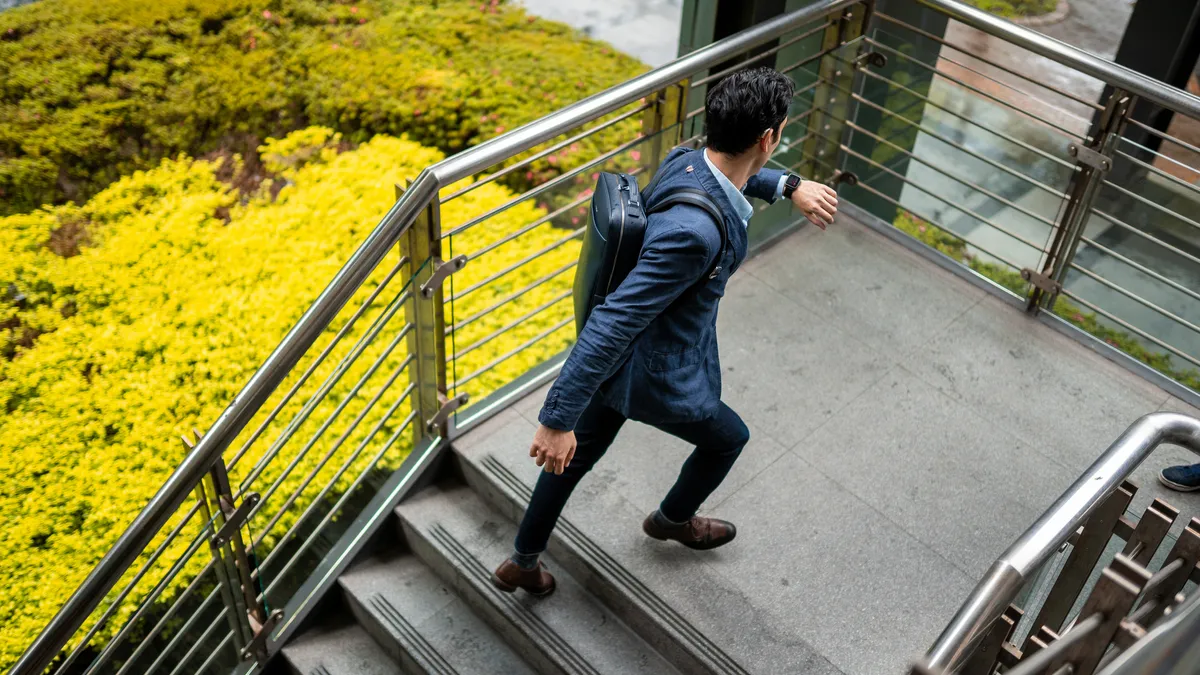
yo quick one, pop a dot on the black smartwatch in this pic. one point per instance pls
(790, 184)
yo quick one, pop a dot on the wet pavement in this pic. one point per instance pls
(646, 29)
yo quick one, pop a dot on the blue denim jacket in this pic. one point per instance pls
(650, 350)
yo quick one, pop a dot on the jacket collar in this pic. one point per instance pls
(711, 185)
(740, 204)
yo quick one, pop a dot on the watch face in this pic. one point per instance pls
(790, 185)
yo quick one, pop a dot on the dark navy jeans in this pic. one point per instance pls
(719, 440)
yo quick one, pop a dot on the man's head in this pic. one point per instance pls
(746, 112)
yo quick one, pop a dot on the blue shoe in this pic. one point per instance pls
(1184, 478)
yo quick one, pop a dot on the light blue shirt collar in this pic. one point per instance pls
(739, 201)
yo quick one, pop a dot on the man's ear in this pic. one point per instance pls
(766, 140)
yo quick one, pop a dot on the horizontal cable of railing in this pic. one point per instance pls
(973, 89)
(1028, 78)
(547, 152)
(969, 120)
(954, 144)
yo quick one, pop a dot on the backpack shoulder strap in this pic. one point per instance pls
(698, 198)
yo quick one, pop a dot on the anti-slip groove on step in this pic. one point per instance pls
(410, 639)
(622, 578)
(320, 670)
(531, 624)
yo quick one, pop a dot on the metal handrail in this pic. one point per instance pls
(139, 534)
(1025, 556)
(1085, 62)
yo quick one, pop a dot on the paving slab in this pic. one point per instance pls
(1045, 388)
(858, 281)
(836, 572)
(954, 481)
(784, 368)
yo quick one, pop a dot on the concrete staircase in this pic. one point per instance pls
(422, 602)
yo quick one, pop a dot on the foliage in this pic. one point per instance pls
(1015, 8)
(956, 248)
(90, 91)
(173, 307)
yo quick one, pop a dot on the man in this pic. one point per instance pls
(649, 352)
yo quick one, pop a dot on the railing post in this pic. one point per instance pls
(668, 107)
(246, 612)
(1093, 160)
(831, 100)
(424, 310)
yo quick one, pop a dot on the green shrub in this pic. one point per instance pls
(177, 293)
(1016, 8)
(91, 91)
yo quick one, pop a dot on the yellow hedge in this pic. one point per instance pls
(165, 314)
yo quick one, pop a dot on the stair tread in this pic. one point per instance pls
(505, 485)
(572, 617)
(345, 650)
(407, 600)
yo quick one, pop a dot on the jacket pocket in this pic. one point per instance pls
(666, 361)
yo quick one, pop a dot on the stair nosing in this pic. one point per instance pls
(544, 637)
(410, 639)
(690, 637)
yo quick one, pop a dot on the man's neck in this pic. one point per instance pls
(737, 169)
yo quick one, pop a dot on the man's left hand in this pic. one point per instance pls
(817, 201)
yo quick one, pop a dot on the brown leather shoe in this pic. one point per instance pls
(537, 581)
(699, 533)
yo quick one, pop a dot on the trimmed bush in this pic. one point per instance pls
(91, 91)
(177, 293)
(1016, 8)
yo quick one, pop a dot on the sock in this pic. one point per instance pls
(663, 521)
(526, 561)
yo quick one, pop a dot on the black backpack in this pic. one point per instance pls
(612, 242)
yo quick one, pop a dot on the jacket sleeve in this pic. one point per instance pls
(670, 263)
(764, 185)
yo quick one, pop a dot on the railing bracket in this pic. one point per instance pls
(258, 646)
(441, 270)
(839, 177)
(448, 406)
(235, 519)
(1041, 281)
(875, 59)
(1090, 157)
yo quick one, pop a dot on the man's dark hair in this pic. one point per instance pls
(744, 105)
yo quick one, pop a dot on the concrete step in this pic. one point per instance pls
(421, 623)
(652, 617)
(345, 650)
(571, 632)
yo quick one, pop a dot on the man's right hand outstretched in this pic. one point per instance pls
(553, 448)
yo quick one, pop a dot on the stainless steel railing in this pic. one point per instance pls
(176, 598)
(1017, 565)
(891, 104)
